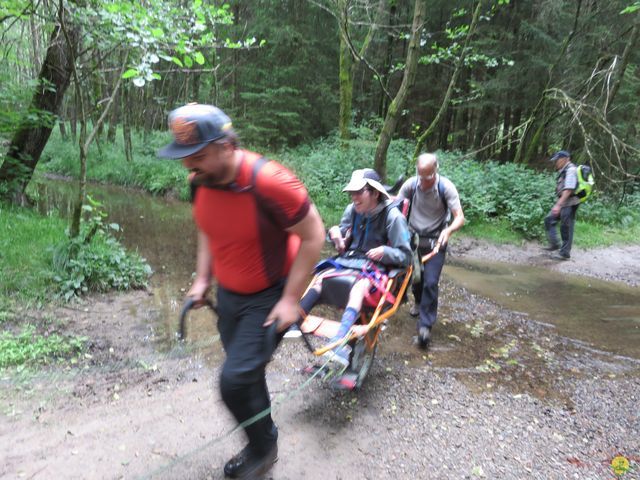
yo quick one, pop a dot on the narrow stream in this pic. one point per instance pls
(604, 314)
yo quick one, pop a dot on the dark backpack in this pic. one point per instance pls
(443, 199)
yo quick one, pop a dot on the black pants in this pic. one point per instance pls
(567, 221)
(249, 347)
(426, 292)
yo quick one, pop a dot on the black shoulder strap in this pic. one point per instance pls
(261, 205)
(441, 193)
(411, 197)
(257, 166)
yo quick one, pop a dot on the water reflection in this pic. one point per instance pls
(604, 314)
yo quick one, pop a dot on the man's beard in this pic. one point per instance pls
(209, 179)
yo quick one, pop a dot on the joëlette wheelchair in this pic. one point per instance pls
(365, 334)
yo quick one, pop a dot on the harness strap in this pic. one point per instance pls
(378, 281)
(369, 270)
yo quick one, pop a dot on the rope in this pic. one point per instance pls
(277, 402)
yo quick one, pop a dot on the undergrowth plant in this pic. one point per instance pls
(491, 193)
(95, 261)
(28, 347)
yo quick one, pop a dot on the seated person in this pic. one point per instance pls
(372, 234)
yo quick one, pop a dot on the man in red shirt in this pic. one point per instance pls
(261, 236)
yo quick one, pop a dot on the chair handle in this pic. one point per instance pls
(188, 305)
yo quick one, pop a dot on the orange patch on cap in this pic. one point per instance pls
(184, 131)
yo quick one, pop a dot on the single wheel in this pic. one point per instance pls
(362, 355)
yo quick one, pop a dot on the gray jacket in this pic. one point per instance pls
(385, 226)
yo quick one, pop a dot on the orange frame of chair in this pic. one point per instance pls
(361, 330)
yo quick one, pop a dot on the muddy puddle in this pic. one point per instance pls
(605, 315)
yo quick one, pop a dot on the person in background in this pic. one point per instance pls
(259, 236)
(434, 199)
(565, 208)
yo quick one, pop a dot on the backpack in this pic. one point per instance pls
(586, 181)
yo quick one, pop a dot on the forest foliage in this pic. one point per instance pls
(537, 76)
(505, 87)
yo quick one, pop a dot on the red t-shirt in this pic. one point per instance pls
(250, 247)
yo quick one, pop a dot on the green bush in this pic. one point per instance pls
(325, 167)
(31, 270)
(107, 163)
(490, 192)
(95, 261)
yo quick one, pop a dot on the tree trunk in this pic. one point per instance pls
(408, 79)
(73, 120)
(532, 120)
(449, 93)
(624, 62)
(113, 121)
(347, 63)
(346, 86)
(35, 45)
(126, 125)
(28, 142)
(383, 104)
(506, 135)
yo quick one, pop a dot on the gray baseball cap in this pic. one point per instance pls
(194, 126)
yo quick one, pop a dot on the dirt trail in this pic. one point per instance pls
(133, 409)
(616, 263)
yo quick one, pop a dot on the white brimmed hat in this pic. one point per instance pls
(361, 178)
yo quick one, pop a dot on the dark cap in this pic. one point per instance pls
(560, 154)
(193, 127)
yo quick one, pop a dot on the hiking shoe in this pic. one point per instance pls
(245, 465)
(339, 355)
(414, 311)
(560, 256)
(551, 248)
(424, 337)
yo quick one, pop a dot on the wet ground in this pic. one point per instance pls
(531, 374)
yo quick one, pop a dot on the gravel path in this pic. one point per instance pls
(498, 396)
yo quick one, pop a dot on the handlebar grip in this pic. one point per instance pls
(188, 305)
